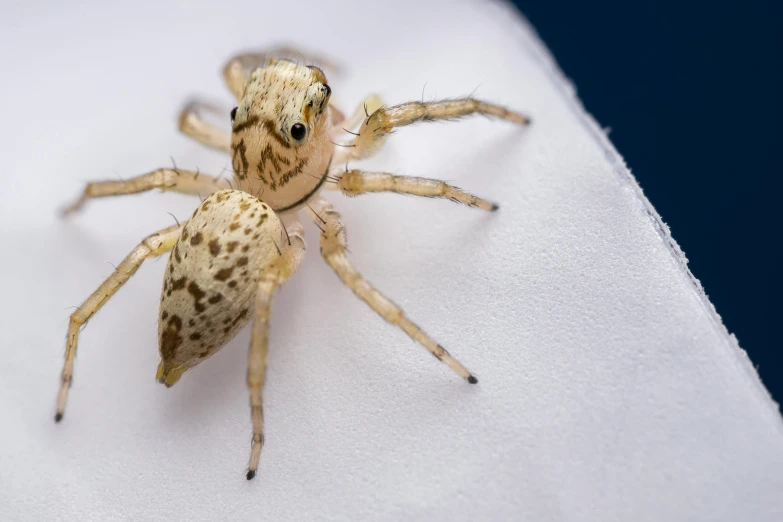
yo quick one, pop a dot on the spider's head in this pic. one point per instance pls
(280, 132)
(287, 99)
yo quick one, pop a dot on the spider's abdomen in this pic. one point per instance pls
(211, 278)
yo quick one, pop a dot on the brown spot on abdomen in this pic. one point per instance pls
(224, 273)
(175, 284)
(198, 294)
(170, 339)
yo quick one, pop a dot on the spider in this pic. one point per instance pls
(245, 239)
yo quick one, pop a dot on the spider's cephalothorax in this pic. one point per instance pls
(280, 143)
(234, 251)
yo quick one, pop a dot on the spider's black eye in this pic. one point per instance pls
(328, 90)
(233, 114)
(298, 131)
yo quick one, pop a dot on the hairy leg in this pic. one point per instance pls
(152, 246)
(377, 125)
(333, 241)
(368, 106)
(173, 180)
(193, 125)
(274, 276)
(355, 182)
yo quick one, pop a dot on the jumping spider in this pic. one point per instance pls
(235, 250)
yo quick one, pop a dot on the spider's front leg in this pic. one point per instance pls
(377, 125)
(152, 246)
(271, 277)
(369, 105)
(172, 180)
(341, 125)
(333, 242)
(194, 126)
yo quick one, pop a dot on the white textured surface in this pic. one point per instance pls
(609, 390)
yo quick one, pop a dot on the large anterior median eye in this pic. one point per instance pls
(298, 131)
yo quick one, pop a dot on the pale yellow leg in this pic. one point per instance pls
(336, 115)
(355, 182)
(345, 147)
(380, 123)
(193, 125)
(152, 246)
(333, 241)
(369, 105)
(271, 278)
(238, 67)
(173, 180)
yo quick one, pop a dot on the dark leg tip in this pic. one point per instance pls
(250, 474)
(58, 417)
(472, 380)
(494, 207)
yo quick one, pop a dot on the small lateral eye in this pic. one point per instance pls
(233, 114)
(298, 131)
(328, 90)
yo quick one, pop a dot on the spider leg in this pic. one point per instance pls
(173, 180)
(272, 277)
(336, 116)
(369, 105)
(151, 246)
(377, 125)
(333, 241)
(238, 67)
(355, 182)
(193, 125)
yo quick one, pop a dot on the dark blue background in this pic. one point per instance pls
(692, 91)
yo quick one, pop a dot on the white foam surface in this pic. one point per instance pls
(609, 389)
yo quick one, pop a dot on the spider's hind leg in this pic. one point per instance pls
(273, 276)
(333, 241)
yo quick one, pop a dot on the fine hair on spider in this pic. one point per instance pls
(245, 238)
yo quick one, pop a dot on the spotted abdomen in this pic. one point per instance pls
(211, 278)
